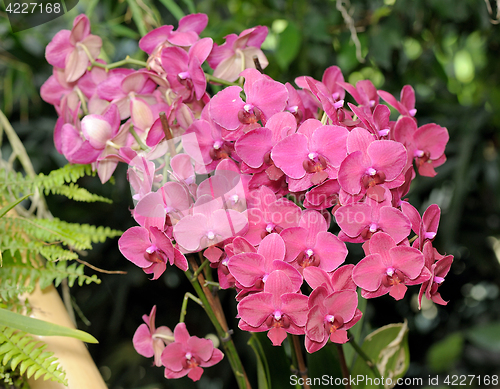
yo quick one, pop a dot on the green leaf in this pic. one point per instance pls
(485, 336)
(289, 41)
(11, 205)
(121, 30)
(388, 348)
(40, 327)
(355, 331)
(173, 8)
(137, 16)
(263, 374)
(442, 355)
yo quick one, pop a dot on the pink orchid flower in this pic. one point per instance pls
(323, 196)
(311, 155)
(330, 316)
(183, 70)
(68, 49)
(406, 103)
(237, 53)
(370, 163)
(426, 226)
(150, 341)
(252, 269)
(187, 355)
(389, 268)
(150, 249)
(310, 244)
(264, 98)
(268, 214)
(425, 144)
(279, 309)
(439, 266)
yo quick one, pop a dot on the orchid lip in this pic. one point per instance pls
(293, 109)
(384, 132)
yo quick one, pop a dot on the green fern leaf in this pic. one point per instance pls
(20, 349)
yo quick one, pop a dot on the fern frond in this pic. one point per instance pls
(23, 275)
(79, 236)
(20, 349)
(61, 181)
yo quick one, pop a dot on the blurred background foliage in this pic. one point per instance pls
(446, 49)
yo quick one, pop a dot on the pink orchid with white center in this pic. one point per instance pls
(426, 226)
(187, 355)
(237, 53)
(359, 221)
(330, 316)
(264, 98)
(377, 122)
(389, 268)
(268, 214)
(150, 249)
(279, 309)
(183, 70)
(371, 163)
(208, 224)
(406, 103)
(439, 266)
(252, 269)
(254, 147)
(425, 144)
(70, 50)
(150, 341)
(164, 208)
(311, 155)
(310, 244)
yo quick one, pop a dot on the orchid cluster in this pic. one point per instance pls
(254, 179)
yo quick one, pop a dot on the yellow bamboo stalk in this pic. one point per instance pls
(81, 371)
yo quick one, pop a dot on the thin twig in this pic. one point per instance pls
(349, 21)
(300, 360)
(100, 270)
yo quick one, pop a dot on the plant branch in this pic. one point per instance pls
(363, 355)
(343, 366)
(188, 296)
(297, 353)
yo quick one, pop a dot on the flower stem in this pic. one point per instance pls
(188, 296)
(213, 308)
(211, 78)
(299, 357)
(109, 66)
(343, 366)
(363, 355)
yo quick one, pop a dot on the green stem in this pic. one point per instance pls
(223, 333)
(126, 61)
(188, 296)
(211, 78)
(363, 355)
(200, 269)
(137, 138)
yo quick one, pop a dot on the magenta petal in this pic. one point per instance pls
(133, 244)
(330, 142)
(432, 138)
(395, 223)
(407, 259)
(294, 305)
(351, 171)
(247, 268)
(358, 140)
(331, 250)
(195, 373)
(368, 273)
(339, 336)
(154, 38)
(352, 219)
(143, 342)
(189, 231)
(294, 238)
(316, 277)
(272, 247)
(174, 60)
(224, 105)
(398, 291)
(388, 156)
(58, 49)
(277, 335)
(289, 155)
(315, 329)
(174, 354)
(256, 308)
(252, 146)
(342, 303)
